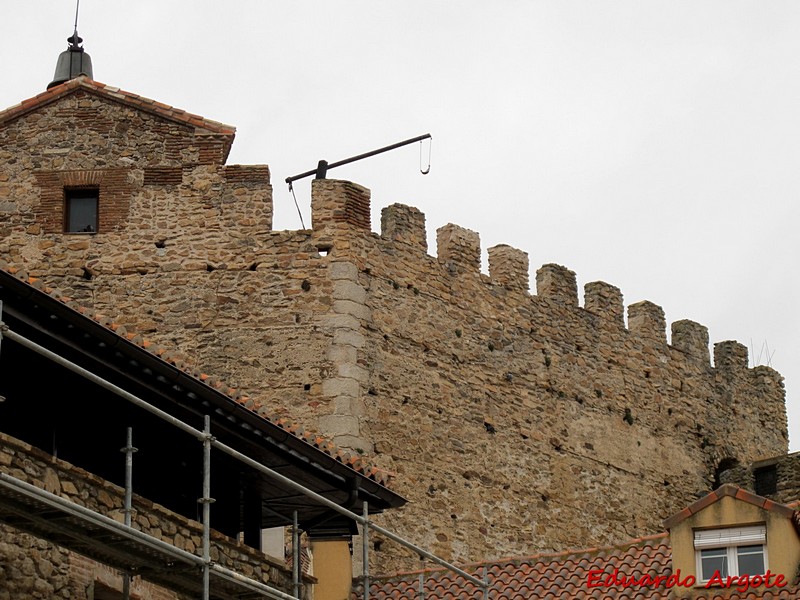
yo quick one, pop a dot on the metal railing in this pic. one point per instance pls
(210, 442)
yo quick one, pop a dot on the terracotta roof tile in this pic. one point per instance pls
(561, 575)
(357, 463)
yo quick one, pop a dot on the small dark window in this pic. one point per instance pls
(724, 465)
(102, 592)
(766, 480)
(80, 210)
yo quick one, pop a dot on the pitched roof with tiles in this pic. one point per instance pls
(545, 576)
(117, 95)
(357, 463)
(733, 491)
(640, 569)
(571, 575)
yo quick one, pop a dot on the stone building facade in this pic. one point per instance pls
(514, 421)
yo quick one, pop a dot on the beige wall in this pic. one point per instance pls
(332, 569)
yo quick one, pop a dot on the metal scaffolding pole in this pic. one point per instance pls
(295, 555)
(290, 483)
(365, 548)
(128, 450)
(206, 501)
(177, 556)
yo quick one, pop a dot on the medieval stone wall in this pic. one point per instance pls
(521, 422)
(777, 477)
(515, 421)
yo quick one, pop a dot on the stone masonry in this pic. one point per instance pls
(514, 421)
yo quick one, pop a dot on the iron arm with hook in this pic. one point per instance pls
(322, 167)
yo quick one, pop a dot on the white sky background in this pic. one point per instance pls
(653, 145)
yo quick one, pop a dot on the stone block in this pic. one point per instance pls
(346, 337)
(557, 283)
(459, 249)
(349, 290)
(342, 320)
(508, 267)
(346, 307)
(338, 386)
(647, 320)
(343, 270)
(401, 223)
(336, 425)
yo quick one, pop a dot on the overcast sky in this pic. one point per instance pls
(653, 145)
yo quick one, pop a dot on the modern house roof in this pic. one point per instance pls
(639, 569)
(541, 576)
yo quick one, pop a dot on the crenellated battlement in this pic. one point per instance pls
(557, 284)
(459, 250)
(647, 320)
(459, 253)
(406, 224)
(692, 339)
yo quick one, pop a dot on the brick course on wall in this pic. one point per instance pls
(516, 422)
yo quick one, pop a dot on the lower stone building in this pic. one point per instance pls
(125, 475)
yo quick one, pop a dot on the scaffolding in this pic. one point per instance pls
(55, 518)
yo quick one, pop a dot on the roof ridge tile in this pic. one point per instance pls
(733, 491)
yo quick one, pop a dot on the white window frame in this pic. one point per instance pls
(729, 538)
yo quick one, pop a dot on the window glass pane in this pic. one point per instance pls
(714, 559)
(751, 560)
(81, 210)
